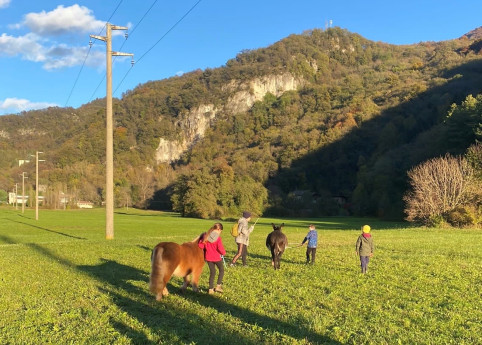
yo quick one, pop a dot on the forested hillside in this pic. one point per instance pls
(363, 113)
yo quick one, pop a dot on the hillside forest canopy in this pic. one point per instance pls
(342, 143)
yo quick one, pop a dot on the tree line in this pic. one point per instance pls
(342, 144)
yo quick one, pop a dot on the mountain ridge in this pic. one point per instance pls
(344, 81)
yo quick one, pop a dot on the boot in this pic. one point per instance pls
(211, 291)
(219, 288)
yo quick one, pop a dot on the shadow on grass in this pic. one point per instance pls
(336, 223)
(265, 258)
(175, 322)
(350, 224)
(166, 320)
(41, 250)
(172, 321)
(7, 239)
(145, 248)
(48, 230)
(294, 329)
(158, 214)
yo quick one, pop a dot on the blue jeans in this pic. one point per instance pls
(364, 260)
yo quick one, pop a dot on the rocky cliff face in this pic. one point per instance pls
(193, 126)
(195, 123)
(255, 90)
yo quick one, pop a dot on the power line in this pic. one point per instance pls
(95, 91)
(168, 31)
(78, 76)
(87, 55)
(159, 40)
(108, 20)
(140, 21)
(133, 30)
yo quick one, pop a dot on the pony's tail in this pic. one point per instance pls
(280, 246)
(156, 282)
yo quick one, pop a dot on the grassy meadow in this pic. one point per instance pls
(61, 282)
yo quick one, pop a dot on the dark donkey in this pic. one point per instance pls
(276, 242)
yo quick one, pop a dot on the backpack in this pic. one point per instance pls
(234, 230)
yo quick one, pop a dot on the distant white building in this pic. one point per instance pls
(18, 198)
(64, 198)
(12, 198)
(85, 204)
(22, 199)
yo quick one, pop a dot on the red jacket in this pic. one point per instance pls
(213, 250)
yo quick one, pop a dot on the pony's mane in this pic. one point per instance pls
(196, 239)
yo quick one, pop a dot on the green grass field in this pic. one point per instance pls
(61, 282)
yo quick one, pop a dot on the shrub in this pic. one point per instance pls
(439, 186)
(435, 221)
(460, 217)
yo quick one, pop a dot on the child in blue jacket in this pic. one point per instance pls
(312, 238)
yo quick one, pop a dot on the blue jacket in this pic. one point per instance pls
(312, 239)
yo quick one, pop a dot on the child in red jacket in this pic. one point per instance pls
(213, 248)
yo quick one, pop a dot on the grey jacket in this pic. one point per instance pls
(244, 230)
(364, 246)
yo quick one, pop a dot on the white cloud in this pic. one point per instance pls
(63, 20)
(53, 57)
(16, 105)
(27, 46)
(64, 56)
(38, 46)
(4, 3)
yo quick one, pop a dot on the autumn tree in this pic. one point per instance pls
(217, 192)
(474, 156)
(464, 122)
(143, 183)
(195, 194)
(439, 186)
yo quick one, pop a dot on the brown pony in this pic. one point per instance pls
(169, 258)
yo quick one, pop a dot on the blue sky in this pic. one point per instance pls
(44, 45)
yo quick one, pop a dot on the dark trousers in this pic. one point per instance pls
(243, 252)
(212, 272)
(312, 252)
(364, 260)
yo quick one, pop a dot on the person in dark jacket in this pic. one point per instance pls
(214, 251)
(365, 247)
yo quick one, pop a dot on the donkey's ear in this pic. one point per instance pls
(282, 225)
(272, 224)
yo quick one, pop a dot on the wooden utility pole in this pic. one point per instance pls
(23, 191)
(16, 193)
(36, 183)
(109, 149)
